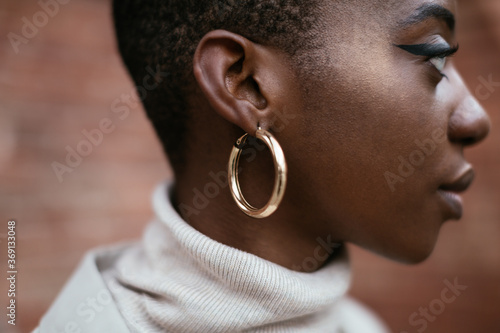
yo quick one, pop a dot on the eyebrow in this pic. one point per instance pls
(429, 11)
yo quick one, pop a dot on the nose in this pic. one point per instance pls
(469, 122)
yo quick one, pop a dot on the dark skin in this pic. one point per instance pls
(347, 126)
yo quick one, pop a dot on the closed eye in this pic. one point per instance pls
(436, 54)
(430, 50)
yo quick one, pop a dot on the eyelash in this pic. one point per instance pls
(431, 52)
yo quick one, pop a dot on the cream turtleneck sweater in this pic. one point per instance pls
(179, 280)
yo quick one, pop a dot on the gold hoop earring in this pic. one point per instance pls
(279, 178)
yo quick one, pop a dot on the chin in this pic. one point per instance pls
(415, 245)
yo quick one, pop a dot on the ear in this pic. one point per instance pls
(239, 78)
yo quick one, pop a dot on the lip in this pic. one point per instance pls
(449, 192)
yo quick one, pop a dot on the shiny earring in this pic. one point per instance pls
(279, 178)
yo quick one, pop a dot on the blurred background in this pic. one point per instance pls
(65, 79)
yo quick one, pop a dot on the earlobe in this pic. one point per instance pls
(224, 67)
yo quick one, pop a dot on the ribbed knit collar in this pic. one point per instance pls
(180, 280)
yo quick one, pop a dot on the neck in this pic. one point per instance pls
(289, 237)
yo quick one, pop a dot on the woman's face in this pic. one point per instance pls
(389, 115)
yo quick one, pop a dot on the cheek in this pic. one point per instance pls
(383, 139)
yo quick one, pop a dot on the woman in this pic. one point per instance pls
(362, 121)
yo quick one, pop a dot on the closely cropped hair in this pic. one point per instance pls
(161, 36)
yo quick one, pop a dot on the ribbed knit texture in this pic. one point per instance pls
(179, 280)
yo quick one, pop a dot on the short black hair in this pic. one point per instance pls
(162, 35)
